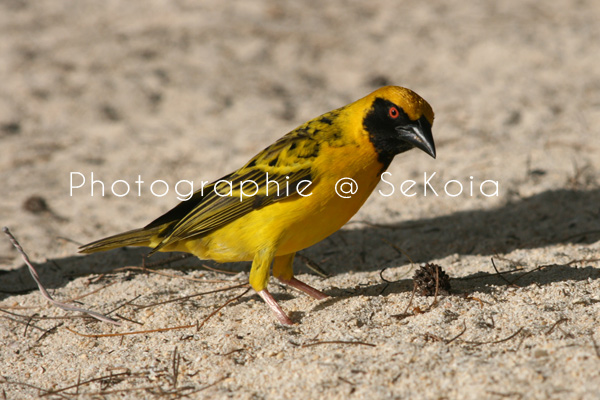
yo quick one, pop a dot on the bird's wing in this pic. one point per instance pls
(287, 162)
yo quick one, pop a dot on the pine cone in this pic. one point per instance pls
(425, 280)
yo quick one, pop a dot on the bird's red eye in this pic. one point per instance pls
(394, 113)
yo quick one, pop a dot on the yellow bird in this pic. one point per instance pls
(285, 199)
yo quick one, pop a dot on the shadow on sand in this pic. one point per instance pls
(552, 217)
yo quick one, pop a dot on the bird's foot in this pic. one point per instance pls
(277, 310)
(309, 290)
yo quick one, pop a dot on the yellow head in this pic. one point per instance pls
(412, 104)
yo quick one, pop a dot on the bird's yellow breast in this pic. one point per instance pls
(298, 222)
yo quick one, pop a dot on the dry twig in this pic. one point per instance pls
(201, 324)
(338, 342)
(596, 348)
(43, 291)
(560, 321)
(459, 335)
(506, 339)
(192, 296)
(316, 268)
(172, 328)
(148, 270)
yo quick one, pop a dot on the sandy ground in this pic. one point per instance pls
(174, 90)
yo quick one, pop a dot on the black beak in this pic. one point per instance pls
(419, 135)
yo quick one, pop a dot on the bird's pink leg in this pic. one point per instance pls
(277, 310)
(283, 270)
(303, 287)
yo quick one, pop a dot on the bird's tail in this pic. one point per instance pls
(136, 237)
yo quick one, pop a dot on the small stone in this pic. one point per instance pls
(539, 353)
(36, 205)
